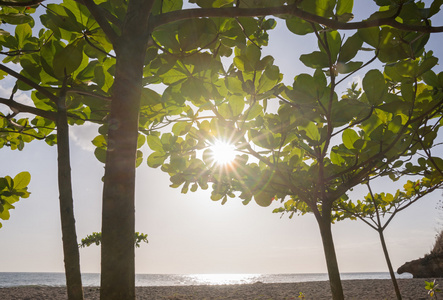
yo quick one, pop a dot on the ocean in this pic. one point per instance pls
(10, 279)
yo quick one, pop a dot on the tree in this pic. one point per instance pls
(47, 118)
(45, 121)
(158, 41)
(378, 210)
(297, 150)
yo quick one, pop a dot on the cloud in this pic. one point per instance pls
(83, 135)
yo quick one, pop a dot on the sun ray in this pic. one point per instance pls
(223, 153)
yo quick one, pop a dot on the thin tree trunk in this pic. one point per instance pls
(331, 258)
(69, 235)
(388, 262)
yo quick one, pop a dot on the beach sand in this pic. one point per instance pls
(412, 289)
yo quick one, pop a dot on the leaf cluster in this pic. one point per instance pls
(96, 238)
(11, 190)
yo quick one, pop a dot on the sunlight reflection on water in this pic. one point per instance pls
(11, 279)
(217, 279)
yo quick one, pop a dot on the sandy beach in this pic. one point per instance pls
(412, 289)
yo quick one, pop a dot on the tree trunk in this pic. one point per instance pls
(324, 223)
(69, 235)
(388, 262)
(118, 220)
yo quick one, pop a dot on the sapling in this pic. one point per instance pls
(432, 289)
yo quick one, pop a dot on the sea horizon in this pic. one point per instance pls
(56, 279)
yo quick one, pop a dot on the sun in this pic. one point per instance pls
(223, 153)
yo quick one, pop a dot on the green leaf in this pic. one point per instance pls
(16, 18)
(322, 8)
(374, 86)
(100, 154)
(315, 60)
(312, 131)
(426, 65)
(22, 33)
(336, 159)
(236, 104)
(370, 36)
(165, 6)
(140, 141)
(234, 85)
(21, 180)
(350, 48)
(299, 26)
(333, 39)
(344, 6)
(156, 159)
(4, 215)
(252, 53)
(154, 143)
(269, 79)
(68, 60)
(164, 37)
(431, 79)
(100, 141)
(254, 111)
(179, 128)
(435, 7)
(149, 97)
(349, 137)
(196, 33)
(139, 159)
(264, 199)
(225, 111)
(408, 91)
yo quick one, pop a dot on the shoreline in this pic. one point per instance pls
(361, 289)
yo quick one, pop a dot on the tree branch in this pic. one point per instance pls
(97, 48)
(29, 82)
(27, 3)
(291, 10)
(28, 109)
(88, 93)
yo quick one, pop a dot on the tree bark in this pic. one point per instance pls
(118, 220)
(324, 223)
(69, 235)
(388, 262)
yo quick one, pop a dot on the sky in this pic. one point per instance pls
(189, 233)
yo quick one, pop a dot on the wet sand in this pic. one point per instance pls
(412, 289)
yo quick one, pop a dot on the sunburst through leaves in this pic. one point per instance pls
(223, 153)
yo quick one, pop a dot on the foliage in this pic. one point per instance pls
(377, 206)
(96, 238)
(377, 129)
(14, 133)
(102, 57)
(378, 210)
(11, 190)
(432, 289)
